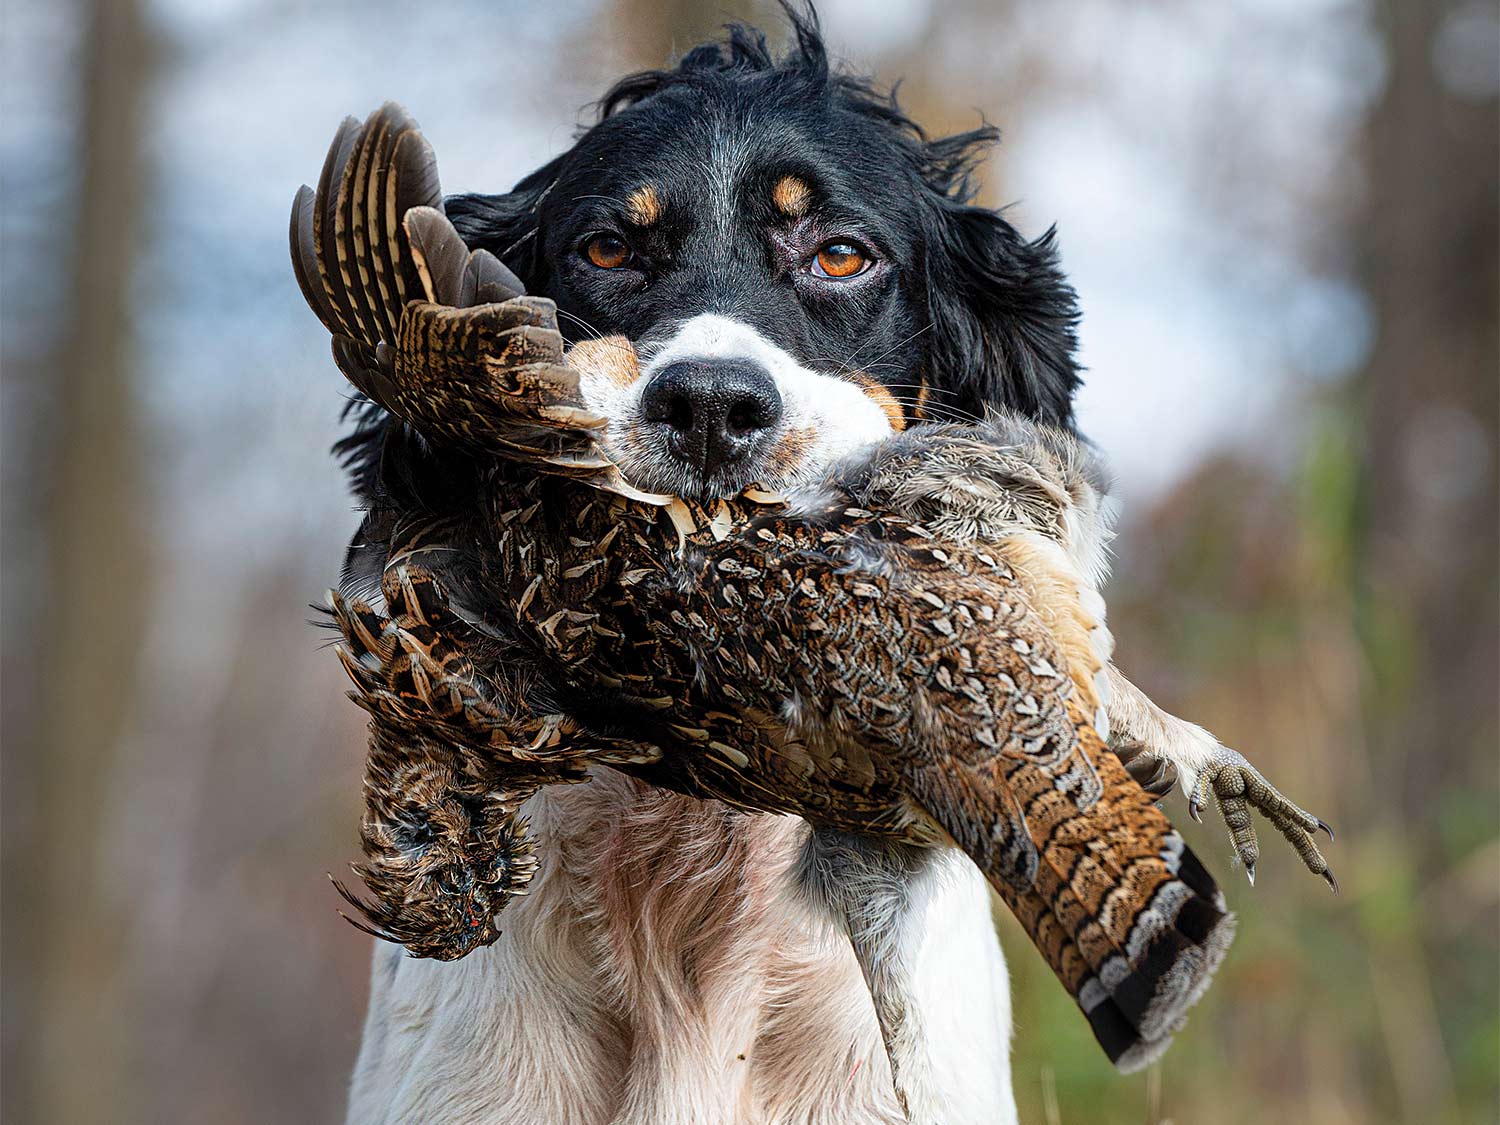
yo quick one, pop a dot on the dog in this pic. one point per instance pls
(802, 272)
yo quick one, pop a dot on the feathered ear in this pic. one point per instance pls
(507, 225)
(1004, 317)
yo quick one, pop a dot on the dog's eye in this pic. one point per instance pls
(607, 251)
(841, 260)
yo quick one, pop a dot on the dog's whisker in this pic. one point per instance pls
(611, 340)
(850, 362)
(610, 199)
(897, 345)
(928, 387)
(594, 333)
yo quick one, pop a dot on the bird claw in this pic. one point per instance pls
(1195, 806)
(1239, 787)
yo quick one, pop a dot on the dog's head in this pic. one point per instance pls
(795, 261)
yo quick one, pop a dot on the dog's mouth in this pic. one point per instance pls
(717, 409)
(656, 457)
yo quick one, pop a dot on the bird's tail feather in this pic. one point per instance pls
(1128, 918)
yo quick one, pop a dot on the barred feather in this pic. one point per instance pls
(916, 657)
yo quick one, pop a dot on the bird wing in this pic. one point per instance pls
(940, 660)
(441, 337)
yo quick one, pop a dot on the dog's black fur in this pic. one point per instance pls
(1001, 315)
(957, 298)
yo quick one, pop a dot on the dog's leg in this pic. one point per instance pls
(875, 890)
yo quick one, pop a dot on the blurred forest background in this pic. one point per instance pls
(1281, 216)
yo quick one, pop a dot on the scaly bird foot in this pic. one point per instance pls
(1239, 787)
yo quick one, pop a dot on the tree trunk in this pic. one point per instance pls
(93, 592)
(1426, 551)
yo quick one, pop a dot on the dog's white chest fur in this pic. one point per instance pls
(662, 972)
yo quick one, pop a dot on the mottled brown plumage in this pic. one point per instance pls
(913, 653)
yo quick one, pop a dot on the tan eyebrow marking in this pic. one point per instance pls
(791, 196)
(643, 206)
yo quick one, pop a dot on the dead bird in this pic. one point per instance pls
(906, 647)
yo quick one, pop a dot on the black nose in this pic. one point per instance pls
(715, 410)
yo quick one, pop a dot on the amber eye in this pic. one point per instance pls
(840, 259)
(607, 251)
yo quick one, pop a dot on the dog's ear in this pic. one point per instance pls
(1004, 317)
(507, 225)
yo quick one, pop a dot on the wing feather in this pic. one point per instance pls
(440, 337)
(938, 660)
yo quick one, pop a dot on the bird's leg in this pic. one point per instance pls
(874, 889)
(1142, 730)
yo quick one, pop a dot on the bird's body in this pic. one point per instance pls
(909, 653)
(841, 661)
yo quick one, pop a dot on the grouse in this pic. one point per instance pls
(910, 654)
